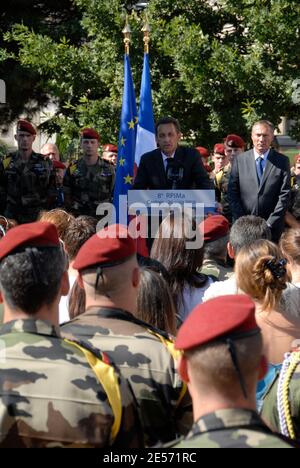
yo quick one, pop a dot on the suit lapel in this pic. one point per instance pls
(269, 166)
(252, 168)
(160, 168)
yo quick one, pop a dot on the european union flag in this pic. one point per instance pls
(126, 147)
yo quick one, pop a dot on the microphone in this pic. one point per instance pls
(175, 172)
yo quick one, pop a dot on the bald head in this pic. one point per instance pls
(50, 151)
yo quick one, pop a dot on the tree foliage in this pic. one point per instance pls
(217, 69)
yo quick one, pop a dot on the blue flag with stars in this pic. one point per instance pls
(126, 146)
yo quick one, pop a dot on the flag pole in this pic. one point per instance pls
(146, 31)
(127, 37)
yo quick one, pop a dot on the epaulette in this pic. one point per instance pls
(107, 377)
(73, 167)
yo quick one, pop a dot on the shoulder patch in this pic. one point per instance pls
(73, 168)
(6, 161)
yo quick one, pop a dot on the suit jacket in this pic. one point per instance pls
(151, 173)
(267, 199)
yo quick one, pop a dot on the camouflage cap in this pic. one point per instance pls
(214, 227)
(234, 141)
(225, 317)
(219, 148)
(111, 246)
(89, 134)
(204, 153)
(39, 234)
(25, 126)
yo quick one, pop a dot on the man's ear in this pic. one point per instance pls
(182, 369)
(80, 281)
(263, 367)
(230, 250)
(65, 284)
(136, 274)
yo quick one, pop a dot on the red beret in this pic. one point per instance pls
(110, 148)
(25, 126)
(218, 318)
(203, 151)
(39, 234)
(109, 247)
(90, 134)
(58, 164)
(234, 141)
(207, 167)
(214, 227)
(219, 148)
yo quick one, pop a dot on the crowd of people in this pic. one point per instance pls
(102, 346)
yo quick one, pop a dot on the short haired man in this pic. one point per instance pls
(260, 182)
(156, 168)
(90, 180)
(109, 273)
(221, 363)
(25, 178)
(49, 393)
(244, 231)
(110, 154)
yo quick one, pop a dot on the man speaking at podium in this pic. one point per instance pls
(171, 167)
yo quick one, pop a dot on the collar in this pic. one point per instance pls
(165, 157)
(36, 327)
(264, 156)
(235, 418)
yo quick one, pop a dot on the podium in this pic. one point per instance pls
(162, 202)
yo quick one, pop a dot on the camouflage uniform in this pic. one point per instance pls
(231, 428)
(24, 186)
(217, 269)
(49, 395)
(87, 186)
(270, 409)
(221, 187)
(165, 411)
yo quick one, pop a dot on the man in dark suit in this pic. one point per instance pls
(171, 166)
(259, 183)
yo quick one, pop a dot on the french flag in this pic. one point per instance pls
(145, 139)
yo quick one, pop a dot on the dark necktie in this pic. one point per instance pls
(260, 168)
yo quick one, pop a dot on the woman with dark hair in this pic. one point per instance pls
(155, 304)
(179, 247)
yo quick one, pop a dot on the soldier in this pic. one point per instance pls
(109, 274)
(233, 146)
(219, 158)
(281, 406)
(221, 363)
(25, 178)
(110, 154)
(204, 154)
(216, 236)
(90, 180)
(53, 393)
(57, 198)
